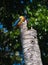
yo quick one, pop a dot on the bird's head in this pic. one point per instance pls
(22, 19)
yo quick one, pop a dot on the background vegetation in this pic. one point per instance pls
(36, 12)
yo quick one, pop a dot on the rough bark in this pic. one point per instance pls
(30, 45)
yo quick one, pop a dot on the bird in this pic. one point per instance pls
(19, 21)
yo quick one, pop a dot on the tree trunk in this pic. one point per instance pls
(30, 45)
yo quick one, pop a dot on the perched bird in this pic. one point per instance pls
(19, 21)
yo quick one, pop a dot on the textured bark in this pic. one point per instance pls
(30, 45)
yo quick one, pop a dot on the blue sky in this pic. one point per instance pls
(1, 26)
(22, 1)
(30, 0)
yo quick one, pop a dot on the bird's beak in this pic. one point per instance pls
(16, 22)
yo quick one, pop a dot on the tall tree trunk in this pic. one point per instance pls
(30, 45)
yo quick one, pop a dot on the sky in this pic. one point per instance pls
(1, 26)
(30, 0)
(4, 30)
(23, 2)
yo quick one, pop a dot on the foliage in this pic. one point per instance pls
(38, 19)
(10, 44)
